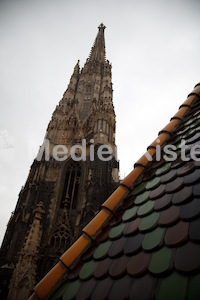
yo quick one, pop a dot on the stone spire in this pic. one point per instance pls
(98, 50)
(97, 57)
(68, 177)
(23, 279)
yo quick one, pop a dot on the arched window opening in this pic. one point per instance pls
(60, 240)
(71, 187)
(101, 124)
(85, 110)
(88, 93)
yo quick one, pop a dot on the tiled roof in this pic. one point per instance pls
(145, 242)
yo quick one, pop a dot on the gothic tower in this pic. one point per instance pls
(74, 172)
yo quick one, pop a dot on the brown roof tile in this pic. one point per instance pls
(138, 264)
(187, 258)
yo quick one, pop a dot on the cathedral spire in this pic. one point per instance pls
(70, 176)
(98, 52)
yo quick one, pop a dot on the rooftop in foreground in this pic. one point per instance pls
(145, 242)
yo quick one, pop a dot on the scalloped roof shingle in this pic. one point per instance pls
(145, 241)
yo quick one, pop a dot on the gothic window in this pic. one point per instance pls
(110, 135)
(85, 110)
(61, 238)
(104, 125)
(107, 128)
(96, 126)
(71, 187)
(88, 93)
(101, 124)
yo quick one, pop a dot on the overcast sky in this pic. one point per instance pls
(154, 49)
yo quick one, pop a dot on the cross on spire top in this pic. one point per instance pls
(102, 26)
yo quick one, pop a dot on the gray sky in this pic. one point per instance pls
(154, 49)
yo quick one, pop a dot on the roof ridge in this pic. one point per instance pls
(109, 207)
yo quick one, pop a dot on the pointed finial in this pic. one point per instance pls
(76, 68)
(101, 26)
(77, 64)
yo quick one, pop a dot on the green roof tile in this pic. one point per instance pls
(164, 169)
(188, 133)
(139, 188)
(57, 295)
(87, 270)
(196, 123)
(197, 128)
(149, 222)
(116, 231)
(142, 197)
(71, 290)
(194, 288)
(153, 239)
(178, 145)
(130, 214)
(190, 121)
(153, 183)
(146, 208)
(102, 250)
(172, 287)
(161, 261)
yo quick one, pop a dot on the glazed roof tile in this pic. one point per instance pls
(176, 234)
(145, 242)
(187, 258)
(194, 231)
(154, 239)
(149, 222)
(117, 247)
(102, 289)
(131, 227)
(120, 288)
(190, 210)
(102, 268)
(71, 290)
(174, 185)
(140, 199)
(183, 195)
(172, 287)
(171, 175)
(145, 208)
(163, 202)
(158, 192)
(169, 216)
(86, 289)
(87, 270)
(193, 287)
(158, 265)
(130, 214)
(118, 267)
(102, 250)
(133, 244)
(138, 264)
(139, 292)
